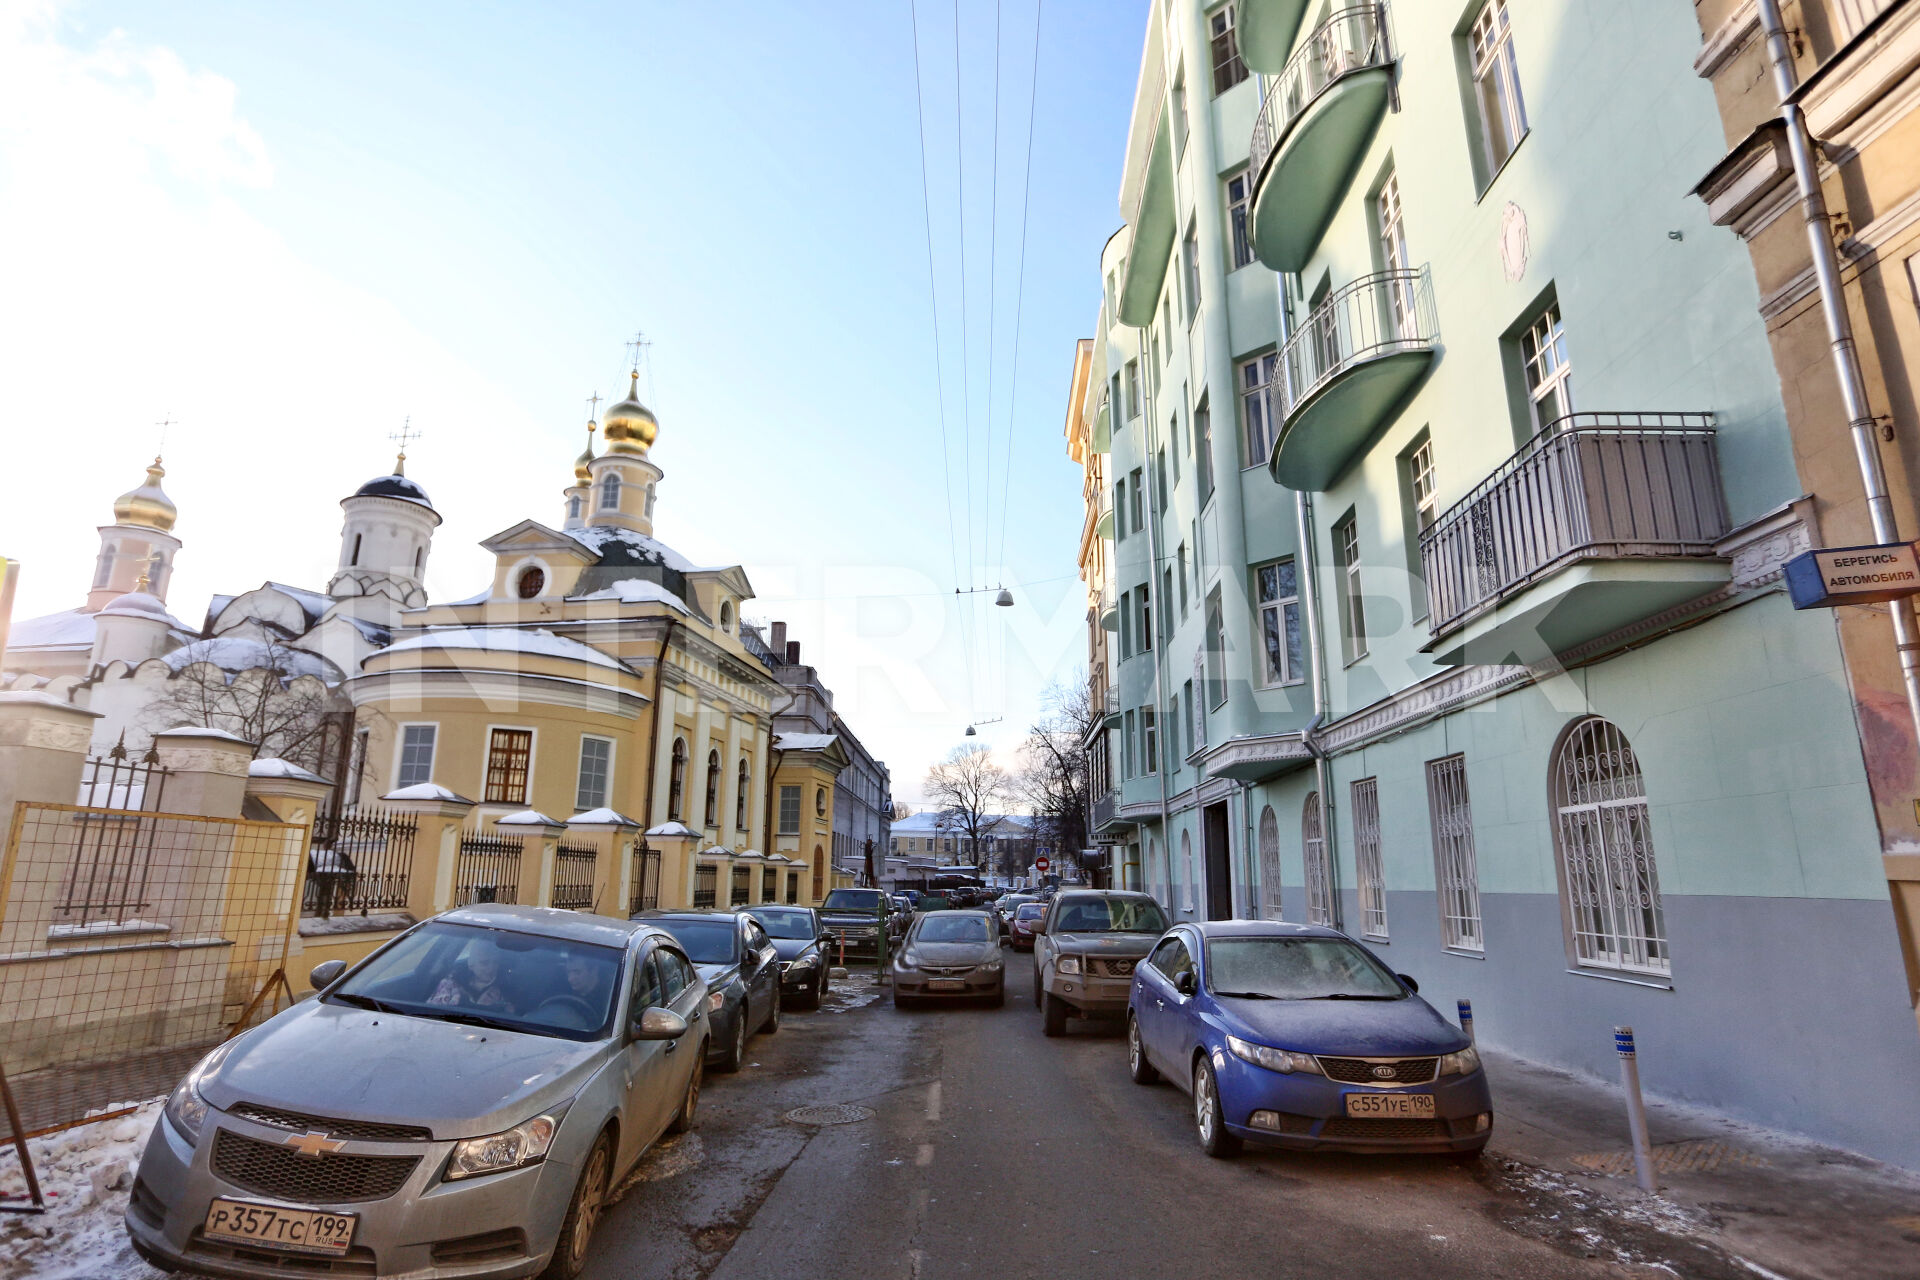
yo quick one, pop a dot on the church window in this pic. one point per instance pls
(726, 615)
(596, 762)
(416, 755)
(353, 561)
(649, 502)
(610, 492)
(509, 760)
(789, 811)
(820, 801)
(677, 780)
(740, 797)
(104, 571)
(529, 583)
(713, 788)
(573, 507)
(419, 559)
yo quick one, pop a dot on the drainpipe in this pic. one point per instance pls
(1846, 359)
(1154, 556)
(653, 754)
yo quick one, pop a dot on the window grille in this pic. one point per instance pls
(1608, 876)
(706, 885)
(1313, 844)
(1455, 872)
(1269, 864)
(1365, 821)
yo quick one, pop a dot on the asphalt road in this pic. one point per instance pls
(993, 1151)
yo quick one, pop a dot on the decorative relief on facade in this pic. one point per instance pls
(1514, 243)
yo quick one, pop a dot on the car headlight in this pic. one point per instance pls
(714, 1000)
(909, 959)
(1463, 1063)
(991, 966)
(1067, 964)
(1282, 1060)
(526, 1143)
(186, 1109)
(806, 961)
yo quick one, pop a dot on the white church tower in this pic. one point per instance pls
(139, 543)
(383, 548)
(623, 478)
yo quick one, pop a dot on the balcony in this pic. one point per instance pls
(1601, 520)
(1105, 809)
(1265, 30)
(1319, 115)
(1109, 608)
(1347, 370)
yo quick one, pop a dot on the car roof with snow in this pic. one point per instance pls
(551, 922)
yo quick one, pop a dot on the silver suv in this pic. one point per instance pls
(1083, 959)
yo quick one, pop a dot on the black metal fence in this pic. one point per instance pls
(574, 867)
(362, 861)
(706, 885)
(770, 885)
(793, 888)
(742, 886)
(107, 879)
(645, 893)
(488, 870)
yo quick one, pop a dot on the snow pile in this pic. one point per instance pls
(242, 653)
(506, 640)
(637, 591)
(85, 1174)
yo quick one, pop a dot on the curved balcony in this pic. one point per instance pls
(1319, 115)
(1109, 608)
(1346, 371)
(1601, 520)
(1265, 30)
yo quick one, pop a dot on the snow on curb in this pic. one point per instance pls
(85, 1174)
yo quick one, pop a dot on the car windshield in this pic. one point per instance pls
(867, 900)
(491, 977)
(712, 941)
(953, 929)
(1030, 911)
(1297, 969)
(785, 922)
(1109, 915)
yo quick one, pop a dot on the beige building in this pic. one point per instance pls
(1089, 432)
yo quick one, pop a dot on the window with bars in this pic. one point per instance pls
(416, 754)
(509, 758)
(713, 788)
(1496, 85)
(1609, 884)
(706, 885)
(1365, 821)
(1269, 864)
(1455, 873)
(742, 791)
(1353, 614)
(1281, 639)
(789, 811)
(596, 763)
(1543, 353)
(1228, 69)
(1313, 847)
(1256, 405)
(1239, 211)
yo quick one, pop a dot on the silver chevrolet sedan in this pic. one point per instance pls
(458, 1104)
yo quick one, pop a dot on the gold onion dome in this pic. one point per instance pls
(583, 465)
(148, 506)
(630, 425)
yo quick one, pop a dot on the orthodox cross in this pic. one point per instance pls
(404, 435)
(163, 424)
(593, 407)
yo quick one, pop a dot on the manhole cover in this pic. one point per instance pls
(830, 1113)
(1698, 1155)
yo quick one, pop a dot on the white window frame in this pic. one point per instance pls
(1609, 878)
(1239, 219)
(400, 752)
(1364, 811)
(606, 780)
(1455, 864)
(1496, 84)
(609, 486)
(1190, 259)
(1420, 486)
(1313, 855)
(1353, 612)
(1149, 741)
(1394, 257)
(781, 825)
(1220, 26)
(1253, 380)
(1549, 373)
(1273, 612)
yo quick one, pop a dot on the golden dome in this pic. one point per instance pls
(583, 465)
(147, 506)
(630, 425)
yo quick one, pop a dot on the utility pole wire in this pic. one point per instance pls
(1020, 274)
(993, 302)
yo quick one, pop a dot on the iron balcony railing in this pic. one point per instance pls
(1590, 486)
(1105, 806)
(1374, 316)
(1351, 40)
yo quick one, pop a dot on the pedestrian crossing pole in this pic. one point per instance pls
(1636, 1108)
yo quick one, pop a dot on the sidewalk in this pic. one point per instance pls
(1776, 1205)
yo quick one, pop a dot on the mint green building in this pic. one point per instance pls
(1450, 487)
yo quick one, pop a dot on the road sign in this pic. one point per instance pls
(1829, 576)
(1041, 864)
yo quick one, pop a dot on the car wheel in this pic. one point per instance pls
(826, 977)
(900, 1001)
(690, 1104)
(736, 1056)
(576, 1231)
(772, 1024)
(1137, 1065)
(999, 998)
(1037, 1001)
(811, 1000)
(1054, 1015)
(1208, 1121)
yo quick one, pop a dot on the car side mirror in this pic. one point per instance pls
(1411, 984)
(1186, 984)
(326, 973)
(659, 1024)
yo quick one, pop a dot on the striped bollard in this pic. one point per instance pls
(1466, 1017)
(1636, 1109)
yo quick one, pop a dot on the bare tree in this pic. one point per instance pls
(1052, 780)
(901, 812)
(969, 789)
(286, 714)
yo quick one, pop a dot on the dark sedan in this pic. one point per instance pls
(797, 936)
(742, 971)
(1296, 1036)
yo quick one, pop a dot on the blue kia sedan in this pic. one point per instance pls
(1297, 1036)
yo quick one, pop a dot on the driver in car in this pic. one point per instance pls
(475, 981)
(583, 981)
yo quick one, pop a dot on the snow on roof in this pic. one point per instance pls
(637, 591)
(425, 791)
(41, 698)
(201, 731)
(716, 851)
(804, 741)
(537, 640)
(778, 857)
(242, 653)
(670, 829)
(71, 629)
(526, 818)
(394, 486)
(750, 855)
(629, 546)
(273, 767)
(601, 817)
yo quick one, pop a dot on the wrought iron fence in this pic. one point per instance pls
(706, 885)
(742, 886)
(107, 876)
(1353, 39)
(1376, 315)
(574, 866)
(361, 861)
(1590, 486)
(645, 894)
(488, 870)
(770, 885)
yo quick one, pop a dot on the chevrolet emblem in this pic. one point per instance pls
(313, 1144)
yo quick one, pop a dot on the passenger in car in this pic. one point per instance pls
(475, 981)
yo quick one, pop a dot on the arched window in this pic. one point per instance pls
(649, 502)
(1609, 885)
(419, 559)
(1186, 866)
(740, 796)
(1313, 845)
(677, 782)
(103, 572)
(1269, 864)
(819, 873)
(820, 802)
(353, 561)
(610, 491)
(573, 507)
(713, 788)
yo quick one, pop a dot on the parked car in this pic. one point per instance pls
(432, 1143)
(854, 918)
(935, 900)
(742, 968)
(1297, 1036)
(950, 955)
(1006, 903)
(1085, 951)
(1027, 920)
(799, 938)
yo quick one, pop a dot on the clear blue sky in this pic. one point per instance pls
(292, 226)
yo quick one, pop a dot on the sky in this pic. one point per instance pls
(291, 229)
